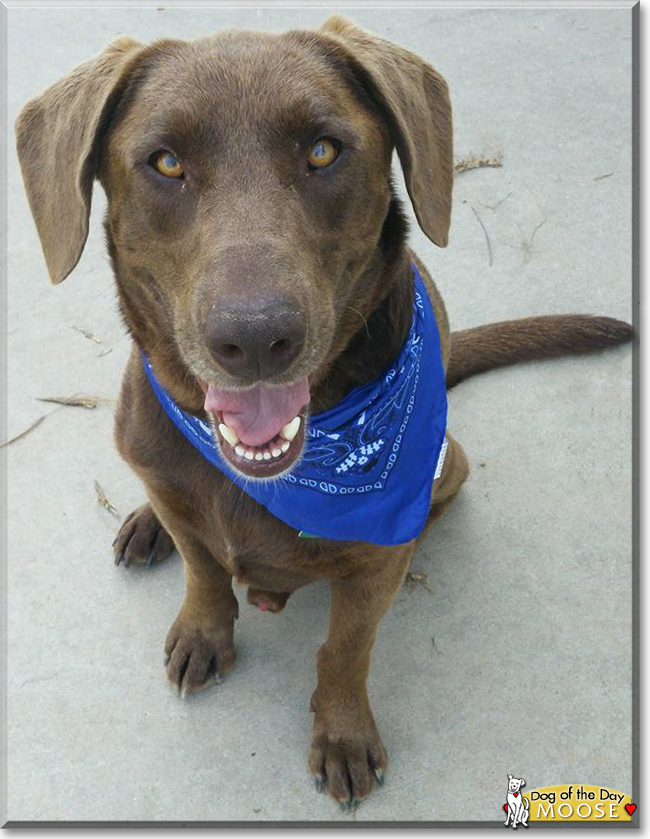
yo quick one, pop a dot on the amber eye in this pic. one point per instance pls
(322, 154)
(167, 165)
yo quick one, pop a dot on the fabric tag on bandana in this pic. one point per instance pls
(441, 460)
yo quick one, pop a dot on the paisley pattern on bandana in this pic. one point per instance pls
(367, 470)
(366, 447)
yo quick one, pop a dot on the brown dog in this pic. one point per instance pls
(260, 258)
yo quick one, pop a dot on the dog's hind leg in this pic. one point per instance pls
(141, 539)
(454, 473)
(199, 647)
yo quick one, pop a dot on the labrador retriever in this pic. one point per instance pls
(261, 260)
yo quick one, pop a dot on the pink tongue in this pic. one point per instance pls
(257, 415)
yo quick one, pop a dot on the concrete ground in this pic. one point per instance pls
(517, 657)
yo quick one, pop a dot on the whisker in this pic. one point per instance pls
(362, 318)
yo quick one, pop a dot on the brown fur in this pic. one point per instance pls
(499, 344)
(236, 107)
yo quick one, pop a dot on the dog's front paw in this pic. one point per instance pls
(347, 754)
(196, 658)
(142, 539)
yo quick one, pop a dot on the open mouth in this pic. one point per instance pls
(260, 431)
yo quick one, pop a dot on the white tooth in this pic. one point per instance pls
(285, 446)
(276, 452)
(267, 455)
(291, 429)
(259, 456)
(228, 434)
(240, 450)
(248, 454)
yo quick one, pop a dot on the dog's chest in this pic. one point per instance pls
(259, 550)
(263, 570)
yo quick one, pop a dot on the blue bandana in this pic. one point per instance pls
(367, 470)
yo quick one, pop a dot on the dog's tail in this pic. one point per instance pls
(529, 339)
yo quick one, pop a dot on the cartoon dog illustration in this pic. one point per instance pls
(517, 804)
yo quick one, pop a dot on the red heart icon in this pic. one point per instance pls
(515, 794)
(505, 807)
(630, 808)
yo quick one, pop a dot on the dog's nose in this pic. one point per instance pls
(255, 337)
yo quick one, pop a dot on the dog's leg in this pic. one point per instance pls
(346, 748)
(454, 473)
(199, 646)
(141, 539)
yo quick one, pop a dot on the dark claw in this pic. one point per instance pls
(114, 541)
(127, 561)
(150, 560)
(119, 557)
(346, 806)
(319, 783)
(379, 775)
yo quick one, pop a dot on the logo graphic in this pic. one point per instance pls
(517, 806)
(565, 802)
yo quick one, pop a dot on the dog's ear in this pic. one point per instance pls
(415, 99)
(522, 783)
(510, 777)
(57, 137)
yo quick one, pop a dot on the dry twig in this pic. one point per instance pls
(466, 164)
(415, 578)
(527, 242)
(87, 334)
(487, 238)
(74, 401)
(23, 432)
(103, 500)
(495, 207)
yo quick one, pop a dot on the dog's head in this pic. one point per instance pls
(515, 784)
(249, 206)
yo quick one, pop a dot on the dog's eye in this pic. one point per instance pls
(322, 154)
(168, 165)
